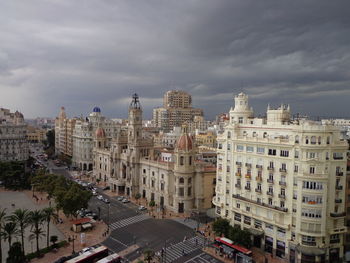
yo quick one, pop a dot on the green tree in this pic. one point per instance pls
(239, 236)
(74, 199)
(16, 254)
(49, 213)
(221, 227)
(10, 231)
(2, 222)
(53, 240)
(148, 254)
(137, 197)
(21, 218)
(36, 220)
(152, 204)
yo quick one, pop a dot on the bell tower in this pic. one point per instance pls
(135, 121)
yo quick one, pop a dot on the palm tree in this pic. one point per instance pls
(2, 222)
(10, 230)
(49, 213)
(21, 218)
(36, 220)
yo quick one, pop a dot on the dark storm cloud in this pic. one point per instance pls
(81, 54)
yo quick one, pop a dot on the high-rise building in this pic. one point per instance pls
(283, 180)
(13, 140)
(63, 133)
(177, 109)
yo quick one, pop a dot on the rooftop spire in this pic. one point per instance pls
(135, 103)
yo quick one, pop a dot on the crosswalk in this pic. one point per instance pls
(128, 221)
(178, 250)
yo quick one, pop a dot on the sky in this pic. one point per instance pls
(81, 54)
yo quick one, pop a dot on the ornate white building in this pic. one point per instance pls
(284, 180)
(83, 135)
(172, 178)
(13, 136)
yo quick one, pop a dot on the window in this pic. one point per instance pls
(271, 165)
(228, 135)
(296, 168)
(181, 160)
(338, 156)
(247, 220)
(312, 169)
(297, 139)
(181, 180)
(240, 120)
(257, 224)
(189, 180)
(144, 180)
(189, 191)
(270, 201)
(238, 217)
(272, 151)
(152, 183)
(282, 204)
(307, 140)
(247, 208)
(144, 171)
(250, 149)
(260, 150)
(190, 160)
(313, 140)
(240, 148)
(238, 205)
(181, 191)
(284, 153)
(228, 146)
(312, 185)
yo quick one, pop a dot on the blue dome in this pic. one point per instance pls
(96, 109)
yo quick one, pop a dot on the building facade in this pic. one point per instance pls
(284, 181)
(13, 136)
(83, 137)
(133, 165)
(177, 109)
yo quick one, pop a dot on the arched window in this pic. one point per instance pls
(181, 180)
(307, 140)
(297, 139)
(181, 160)
(328, 140)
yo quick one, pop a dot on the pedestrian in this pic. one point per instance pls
(196, 241)
(183, 252)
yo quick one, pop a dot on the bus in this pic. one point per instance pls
(238, 253)
(90, 256)
(114, 258)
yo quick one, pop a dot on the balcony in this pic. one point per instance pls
(249, 176)
(339, 173)
(239, 163)
(238, 174)
(259, 166)
(281, 209)
(339, 187)
(309, 243)
(270, 168)
(282, 183)
(270, 181)
(338, 200)
(238, 186)
(258, 190)
(340, 214)
(282, 196)
(269, 193)
(283, 170)
(258, 178)
(247, 188)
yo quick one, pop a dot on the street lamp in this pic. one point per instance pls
(72, 239)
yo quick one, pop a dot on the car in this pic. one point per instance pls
(100, 197)
(141, 208)
(94, 193)
(106, 201)
(125, 200)
(106, 188)
(120, 198)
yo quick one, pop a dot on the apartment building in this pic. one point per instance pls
(13, 136)
(283, 180)
(177, 109)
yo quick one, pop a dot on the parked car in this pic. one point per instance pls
(94, 193)
(106, 201)
(125, 200)
(100, 197)
(120, 198)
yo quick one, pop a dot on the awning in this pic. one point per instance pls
(86, 226)
(256, 232)
(311, 251)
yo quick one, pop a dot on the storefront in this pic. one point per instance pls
(281, 249)
(268, 244)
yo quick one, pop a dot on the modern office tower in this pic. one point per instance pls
(13, 140)
(177, 109)
(283, 180)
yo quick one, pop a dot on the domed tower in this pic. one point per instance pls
(184, 172)
(241, 111)
(100, 138)
(135, 121)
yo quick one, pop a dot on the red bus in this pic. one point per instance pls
(239, 253)
(90, 256)
(114, 258)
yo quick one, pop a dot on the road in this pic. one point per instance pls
(129, 226)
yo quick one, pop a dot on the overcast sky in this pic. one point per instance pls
(79, 54)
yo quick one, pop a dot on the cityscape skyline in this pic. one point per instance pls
(62, 54)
